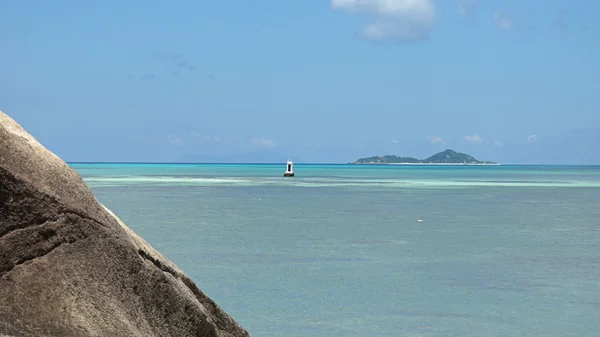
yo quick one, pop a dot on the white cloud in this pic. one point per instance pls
(205, 137)
(395, 141)
(467, 7)
(498, 143)
(402, 20)
(435, 140)
(263, 142)
(475, 139)
(503, 21)
(532, 138)
(174, 140)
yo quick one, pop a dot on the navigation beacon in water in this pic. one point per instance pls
(289, 172)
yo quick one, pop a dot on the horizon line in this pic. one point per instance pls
(308, 163)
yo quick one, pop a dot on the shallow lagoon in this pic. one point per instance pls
(337, 250)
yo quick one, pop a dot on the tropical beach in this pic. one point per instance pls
(299, 168)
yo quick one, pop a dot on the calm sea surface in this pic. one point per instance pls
(338, 251)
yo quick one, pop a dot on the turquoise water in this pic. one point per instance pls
(338, 251)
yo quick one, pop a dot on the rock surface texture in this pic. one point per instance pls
(70, 267)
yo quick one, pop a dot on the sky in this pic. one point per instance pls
(318, 81)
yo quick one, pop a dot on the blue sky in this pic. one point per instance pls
(322, 81)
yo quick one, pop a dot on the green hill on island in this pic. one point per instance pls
(444, 157)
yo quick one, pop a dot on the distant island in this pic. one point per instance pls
(448, 157)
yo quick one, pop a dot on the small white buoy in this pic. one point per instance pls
(289, 172)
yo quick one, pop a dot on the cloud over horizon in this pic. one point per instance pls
(400, 20)
(174, 140)
(263, 142)
(474, 139)
(435, 140)
(205, 137)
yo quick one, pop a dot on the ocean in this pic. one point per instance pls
(339, 250)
